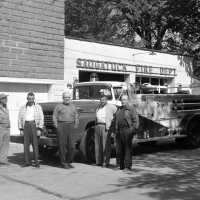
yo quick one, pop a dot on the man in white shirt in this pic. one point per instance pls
(30, 122)
(104, 116)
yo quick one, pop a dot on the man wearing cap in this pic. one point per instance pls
(65, 118)
(104, 116)
(4, 130)
(31, 122)
(126, 124)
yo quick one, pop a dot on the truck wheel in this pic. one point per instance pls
(90, 146)
(193, 138)
(193, 133)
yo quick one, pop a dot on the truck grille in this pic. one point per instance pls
(50, 130)
(187, 103)
(48, 120)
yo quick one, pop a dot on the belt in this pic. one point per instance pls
(32, 121)
(68, 122)
(100, 123)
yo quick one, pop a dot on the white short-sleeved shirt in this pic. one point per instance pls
(101, 115)
(29, 113)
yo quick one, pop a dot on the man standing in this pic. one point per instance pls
(126, 123)
(65, 118)
(4, 130)
(104, 116)
(31, 122)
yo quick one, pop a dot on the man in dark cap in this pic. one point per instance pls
(126, 124)
(104, 117)
(4, 130)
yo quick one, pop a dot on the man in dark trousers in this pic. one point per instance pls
(4, 129)
(126, 123)
(65, 118)
(31, 122)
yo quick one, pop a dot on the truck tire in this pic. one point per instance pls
(193, 132)
(90, 146)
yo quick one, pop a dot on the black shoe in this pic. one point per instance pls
(65, 166)
(99, 165)
(26, 165)
(37, 165)
(70, 166)
(106, 165)
(4, 163)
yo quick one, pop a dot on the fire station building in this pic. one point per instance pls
(31, 52)
(85, 61)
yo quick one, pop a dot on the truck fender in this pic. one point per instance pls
(84, 137)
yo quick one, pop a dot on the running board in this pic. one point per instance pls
(135, 140)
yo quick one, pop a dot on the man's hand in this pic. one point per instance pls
(76, 123)
(39, 132)
(21, 132)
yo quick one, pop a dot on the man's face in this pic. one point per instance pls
(103, 100)
(4, 101)
(66, 99)
(31, 99)
(124, 100)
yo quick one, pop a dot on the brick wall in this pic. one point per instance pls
(32, 39)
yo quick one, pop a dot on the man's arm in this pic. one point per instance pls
(55, 116)
(20, 121)
(41, 121)
(76, 117)
(134, 118)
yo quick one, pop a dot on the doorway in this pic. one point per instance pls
(84, 76)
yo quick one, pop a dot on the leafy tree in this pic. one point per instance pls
(159, 24)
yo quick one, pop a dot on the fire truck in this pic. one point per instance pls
(162, 116)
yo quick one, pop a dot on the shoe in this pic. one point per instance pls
(70, 166)
(128, 169)
(26, 165)
(106, 165)
(99, 165)
(4, 164)
(121, 167)
(66, 166)
(37, 165)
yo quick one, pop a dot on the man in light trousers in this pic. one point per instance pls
(104, 116)
(4, 130)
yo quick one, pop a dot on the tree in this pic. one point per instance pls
(160, 24)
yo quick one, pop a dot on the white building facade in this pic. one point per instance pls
(115, 63)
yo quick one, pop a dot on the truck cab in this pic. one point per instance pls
(91, 91)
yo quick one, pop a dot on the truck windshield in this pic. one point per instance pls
(90, 92)
(118, 92)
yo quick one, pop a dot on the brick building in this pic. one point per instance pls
(31, 51)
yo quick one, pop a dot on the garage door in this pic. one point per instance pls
(17, 97)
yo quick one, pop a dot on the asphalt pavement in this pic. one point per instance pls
(164, 172)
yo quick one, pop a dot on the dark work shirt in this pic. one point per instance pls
(65, 113)
(122, 123)
(126, 117)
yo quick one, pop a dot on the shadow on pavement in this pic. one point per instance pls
(173, 174)
(51, 160)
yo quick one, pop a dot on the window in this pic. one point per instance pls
(154, 81)
(145, 80)
(91, 92)
(118, 92)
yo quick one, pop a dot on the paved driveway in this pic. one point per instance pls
(160, 173)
